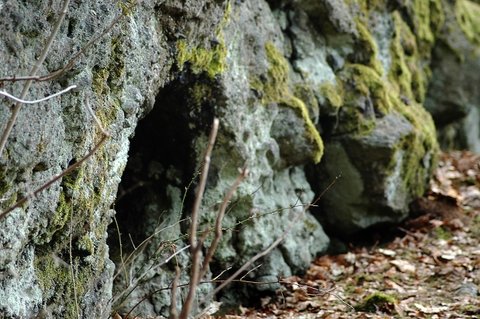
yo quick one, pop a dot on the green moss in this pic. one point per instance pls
(407, 83)
(201, 92)
(354, 81)
(368, 47)
(62, 214)
(305, 93)
(420, 13)
(106, 80)
(442, 233)
(468, 17)
(276, 90)
(211, 60)
(62, 283)
(406, 74)
(368, 5)
(86, 243)
(333, 94)
(127, 6)
(377, 301)
(420, 149)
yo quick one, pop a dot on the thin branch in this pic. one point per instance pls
(43, 55)
(203, 181)
(135, 284)
(16, 99)
(120, 245)
(73, 59)
(173, 296)
(73, 272)
(195, 247)
(269, 248)
(219, 220)
(143, 244)
(221, 273)
(253, 269)
(68, 170)
(188, 285)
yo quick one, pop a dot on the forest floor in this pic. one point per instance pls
(430, 270)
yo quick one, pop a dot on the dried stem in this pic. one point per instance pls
(269, 248)
(36, 67)
(195, 248)
(68, 170)
(173, 296)
(219, 220)
(16, 99)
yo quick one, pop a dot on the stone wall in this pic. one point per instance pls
(306, 91)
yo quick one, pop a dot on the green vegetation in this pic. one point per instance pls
(468, 17)
(442, 233)
(211, 60)
(377, 301)
(276, 90)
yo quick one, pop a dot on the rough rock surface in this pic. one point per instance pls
(283, 77)
(453, 96)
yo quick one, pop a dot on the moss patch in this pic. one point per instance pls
(275, 89)
(107, 80)
(406, 73)
(211, 60)
(468, 17)
(377, 302)
(63, 284)
(367, 47)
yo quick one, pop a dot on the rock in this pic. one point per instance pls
(54, 259)
(265, 125)
(456, 108)
(301, 88)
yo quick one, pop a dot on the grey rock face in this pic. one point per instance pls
(379, 141)
(54, 260)
(453, 97)
(264, 127)
(276, 74)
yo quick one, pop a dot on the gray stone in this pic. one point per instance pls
(276, 74)
(453, 97)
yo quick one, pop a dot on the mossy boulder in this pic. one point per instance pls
(379, 140)
(453, 97)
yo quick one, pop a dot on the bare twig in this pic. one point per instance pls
(120, 245)
(173, 296)
(143, 244)
(16, 99)
(68, 170)
(322, 292)
(36, 67)
(73, 272)
(54, 179)
(73, 59)
(137, 281)
(269, 248)
(195, 248)
(200, 283)
(219, 220)
(203, 181)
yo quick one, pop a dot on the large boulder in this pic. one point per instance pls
(265, 125)
(304, 90)
(453, 97)
(368, 65)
